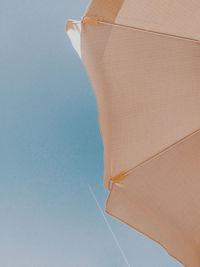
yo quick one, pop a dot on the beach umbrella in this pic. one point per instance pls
(143, 61)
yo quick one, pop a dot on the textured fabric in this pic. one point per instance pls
(144, 66)
(161, 199)
(178, 17)
(108, 8)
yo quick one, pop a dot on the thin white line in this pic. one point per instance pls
(109, 227)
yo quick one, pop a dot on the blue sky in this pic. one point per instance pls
(51, 148)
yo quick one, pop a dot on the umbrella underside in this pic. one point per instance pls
(143, 61)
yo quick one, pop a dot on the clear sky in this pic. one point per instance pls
(51, 148)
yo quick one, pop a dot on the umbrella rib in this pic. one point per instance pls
(123, 174)
(100, 21)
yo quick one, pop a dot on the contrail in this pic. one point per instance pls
(109, 227)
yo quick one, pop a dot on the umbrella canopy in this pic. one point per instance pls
(143, 61)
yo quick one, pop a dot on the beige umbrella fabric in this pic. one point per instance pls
(143, 61)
